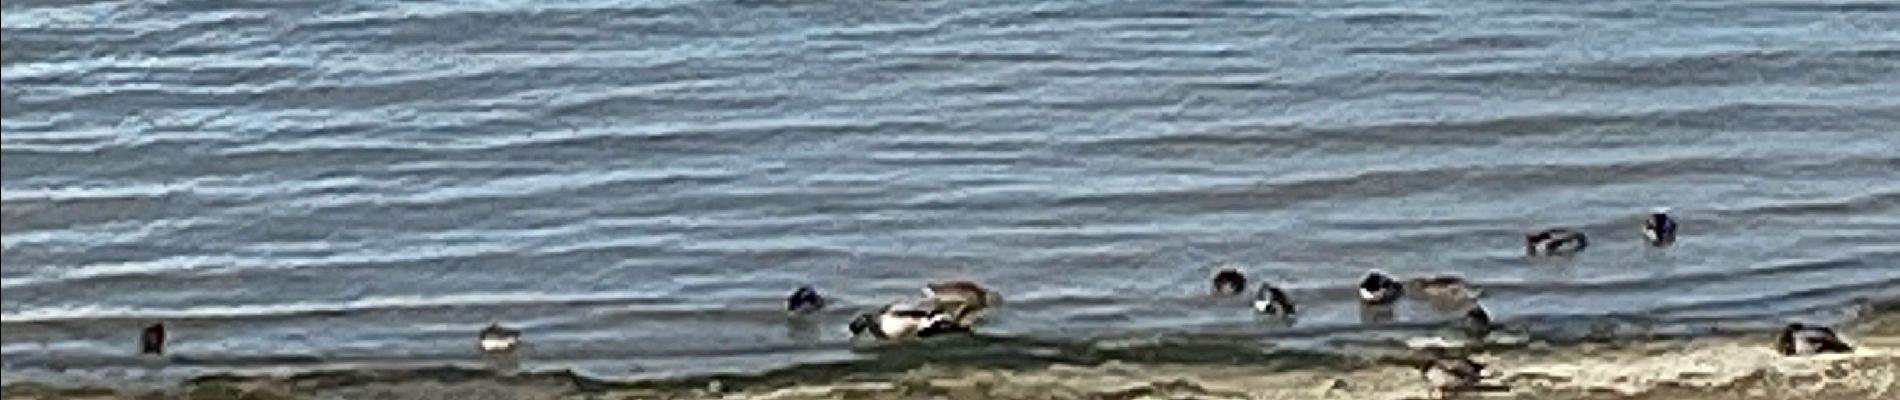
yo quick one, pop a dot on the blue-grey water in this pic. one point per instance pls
(305, 184)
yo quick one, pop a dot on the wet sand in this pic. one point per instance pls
(1729, 366)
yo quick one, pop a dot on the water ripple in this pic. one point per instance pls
(639, 184)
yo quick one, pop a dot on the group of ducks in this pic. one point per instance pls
(955, 307)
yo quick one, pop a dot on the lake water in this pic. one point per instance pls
(320, 184)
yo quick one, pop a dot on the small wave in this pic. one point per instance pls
(1712, 68)
(1386, 17)
(1827, 6)
(88, 193)
(77, 274)
(56, 314)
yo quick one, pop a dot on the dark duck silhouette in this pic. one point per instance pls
(1228, 281)
(152, 339)
(1272, 300)
(1555, 242)
(1378, 289)
(804, 300)
(1659, 228)
(1801, 340)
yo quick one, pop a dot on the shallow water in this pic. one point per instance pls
(311, 184)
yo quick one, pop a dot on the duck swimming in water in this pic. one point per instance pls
(1801, 340)
(1447, 288)
(152, 339)
(1555, 242)
(1379, 289)
(1272, 300)
(963, 301)
(496, 339)
(805, 300)
(1229, 281)
(1659, 228)
(905, 321)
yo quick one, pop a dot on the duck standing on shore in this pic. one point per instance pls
(1449, 374)
(1800, 340)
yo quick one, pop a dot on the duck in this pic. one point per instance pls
(1451, 373)
(963, 301)
(1555, 242)
(1272, 300)
(804, 300)
(1379, 289)
(1447, 288)
(1477, 321)
(905, 321)
(1800, 340)
(497, 339)
(1659, 228)
(1228, 281)
(152, 339)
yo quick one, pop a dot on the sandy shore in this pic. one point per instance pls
(1724, 367)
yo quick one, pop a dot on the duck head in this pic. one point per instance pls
(865, 323)
(804, 300)
(1379, 288)
(1272, 299)
(1229, 281)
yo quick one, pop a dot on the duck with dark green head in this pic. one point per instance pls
(805, 300)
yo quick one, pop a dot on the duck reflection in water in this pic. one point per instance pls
(801, 329)
(506, 363)
(1371, 314)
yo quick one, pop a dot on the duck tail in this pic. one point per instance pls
(1835, 346)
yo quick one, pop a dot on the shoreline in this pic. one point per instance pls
(1722, 366)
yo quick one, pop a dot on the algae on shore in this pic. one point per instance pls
(1725, 367)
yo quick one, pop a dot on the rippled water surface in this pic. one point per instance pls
(310, 184)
